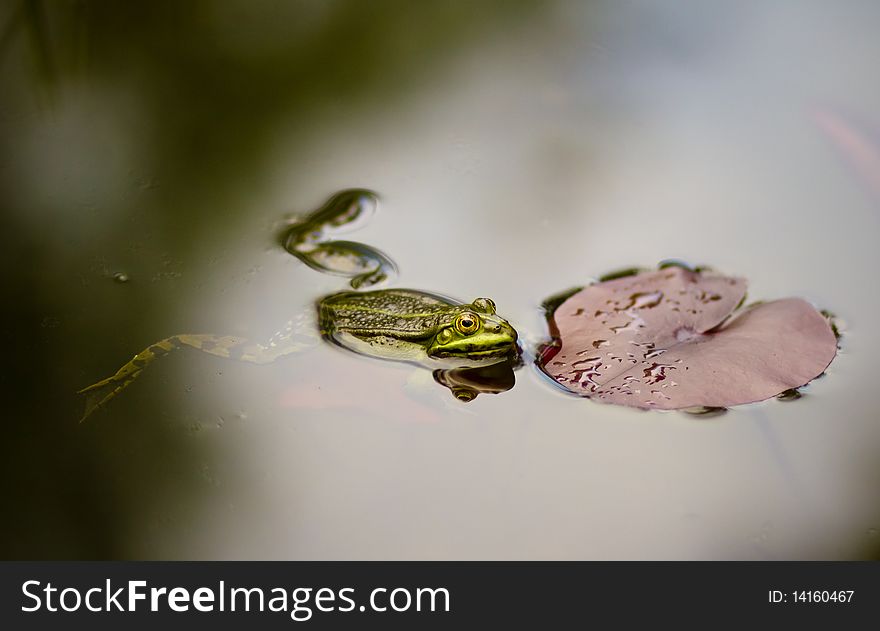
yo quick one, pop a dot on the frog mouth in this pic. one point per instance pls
(495, 350)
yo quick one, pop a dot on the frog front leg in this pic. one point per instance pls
(288, 341)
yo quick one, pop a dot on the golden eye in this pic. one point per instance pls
(467, 323)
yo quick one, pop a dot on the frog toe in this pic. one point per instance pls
(98, 394)
(96, 386)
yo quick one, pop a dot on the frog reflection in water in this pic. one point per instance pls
(477, 348)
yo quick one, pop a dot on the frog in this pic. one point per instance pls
(407, 325)
(417, 326)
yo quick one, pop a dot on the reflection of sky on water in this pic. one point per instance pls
(516, 164)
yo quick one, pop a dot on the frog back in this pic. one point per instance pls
(389, 323)
(405, 313)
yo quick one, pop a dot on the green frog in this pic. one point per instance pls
(411, 325)
(395, 324)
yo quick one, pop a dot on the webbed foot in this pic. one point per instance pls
(98, 394)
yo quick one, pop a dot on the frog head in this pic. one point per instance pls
(473, 332)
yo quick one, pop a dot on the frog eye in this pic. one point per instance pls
(467, 323)
(465, 395)
(484, 305)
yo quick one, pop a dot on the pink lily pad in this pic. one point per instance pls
(667, 340)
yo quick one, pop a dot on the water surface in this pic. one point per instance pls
(518, 152)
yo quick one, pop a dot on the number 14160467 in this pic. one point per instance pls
(811, 596)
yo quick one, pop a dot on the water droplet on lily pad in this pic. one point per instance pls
(689, 343)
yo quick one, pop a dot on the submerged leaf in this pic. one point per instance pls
(665, 340)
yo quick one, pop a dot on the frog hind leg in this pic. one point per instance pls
(365, 265)
(101, 392)
(285, 342)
